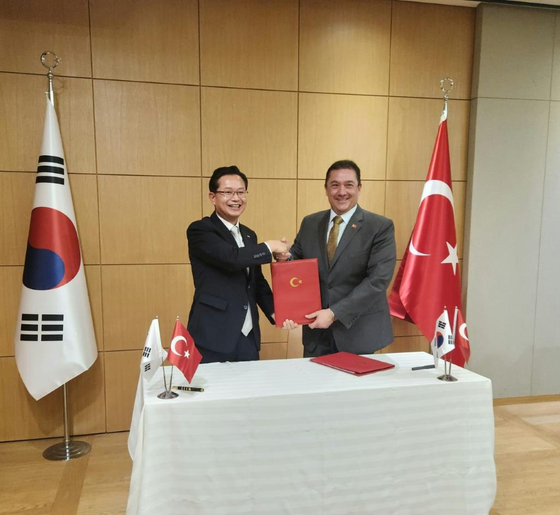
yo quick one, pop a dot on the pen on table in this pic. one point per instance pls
(188, 388)
(425, 367)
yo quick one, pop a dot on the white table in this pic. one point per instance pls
(294, 437)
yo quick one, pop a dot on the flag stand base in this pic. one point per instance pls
(167, 395)
(447, 377)
(67, 450)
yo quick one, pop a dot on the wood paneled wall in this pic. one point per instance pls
(153, 95)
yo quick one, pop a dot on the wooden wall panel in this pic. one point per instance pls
(295, 345)
(22, 416)
(403, 198)
(408, 344)
(86, 400)
(403, 328)
(135, 294)
(10, 278)
(354, 79)
(23, 105)
(84, 196)
(413, 126)
(352, 58)
(271, 209)
(249, 43)
(312, 197)
(144, 219)
(29, 27)
(16, 202)
(145, 40)
(256, 130)
(147, 129)
(273, 350)
(93, 280)
(334, 127)
(430, 42)
(122, 370)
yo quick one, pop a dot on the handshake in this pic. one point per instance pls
(280, 249)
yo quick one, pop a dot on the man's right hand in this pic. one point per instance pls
(279, 248)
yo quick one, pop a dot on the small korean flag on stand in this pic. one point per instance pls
(442, 343)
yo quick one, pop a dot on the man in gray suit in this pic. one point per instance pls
(356, 252)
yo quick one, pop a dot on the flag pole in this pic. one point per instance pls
(68, 449)
(446, 90)
(168, 394)
(454, 332)
(163, 368)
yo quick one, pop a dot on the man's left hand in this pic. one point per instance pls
(323, 319)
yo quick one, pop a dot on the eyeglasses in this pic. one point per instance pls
(229, 194)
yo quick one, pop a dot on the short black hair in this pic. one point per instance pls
(344, 164)
(213, 184)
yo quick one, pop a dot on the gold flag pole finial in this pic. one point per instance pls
(50, 61)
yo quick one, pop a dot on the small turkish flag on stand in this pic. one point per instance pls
(428, 279)
(183, 353)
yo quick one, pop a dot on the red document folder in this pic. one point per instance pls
(351, 363)
(295, 285)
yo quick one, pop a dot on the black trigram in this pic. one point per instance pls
(50, 329)
(50, 169)
(147, 352)
(442, 325)
(147, 367)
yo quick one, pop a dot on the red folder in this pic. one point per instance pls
(295, 285)
(352, 363)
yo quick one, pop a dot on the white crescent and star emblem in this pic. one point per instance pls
(176, 340)
(452, 259)
(435, 187)
(463, 332)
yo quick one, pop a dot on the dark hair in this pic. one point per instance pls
(213, 185)
(345, 164)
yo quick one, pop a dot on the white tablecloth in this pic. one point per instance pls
(294, 437)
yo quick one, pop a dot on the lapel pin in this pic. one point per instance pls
(354, 226)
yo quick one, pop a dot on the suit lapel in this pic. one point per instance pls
(354, 226)
(322, 236)
(222, 229)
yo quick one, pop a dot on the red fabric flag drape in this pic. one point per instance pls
(183, 353)
(428, 279)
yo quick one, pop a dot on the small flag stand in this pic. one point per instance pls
(447, 373)
(167, 393)
(68, 449)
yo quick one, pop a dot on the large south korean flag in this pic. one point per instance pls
(54, 338)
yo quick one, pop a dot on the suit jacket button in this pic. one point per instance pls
(245, 308)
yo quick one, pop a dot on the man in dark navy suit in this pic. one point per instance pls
(226, 260)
